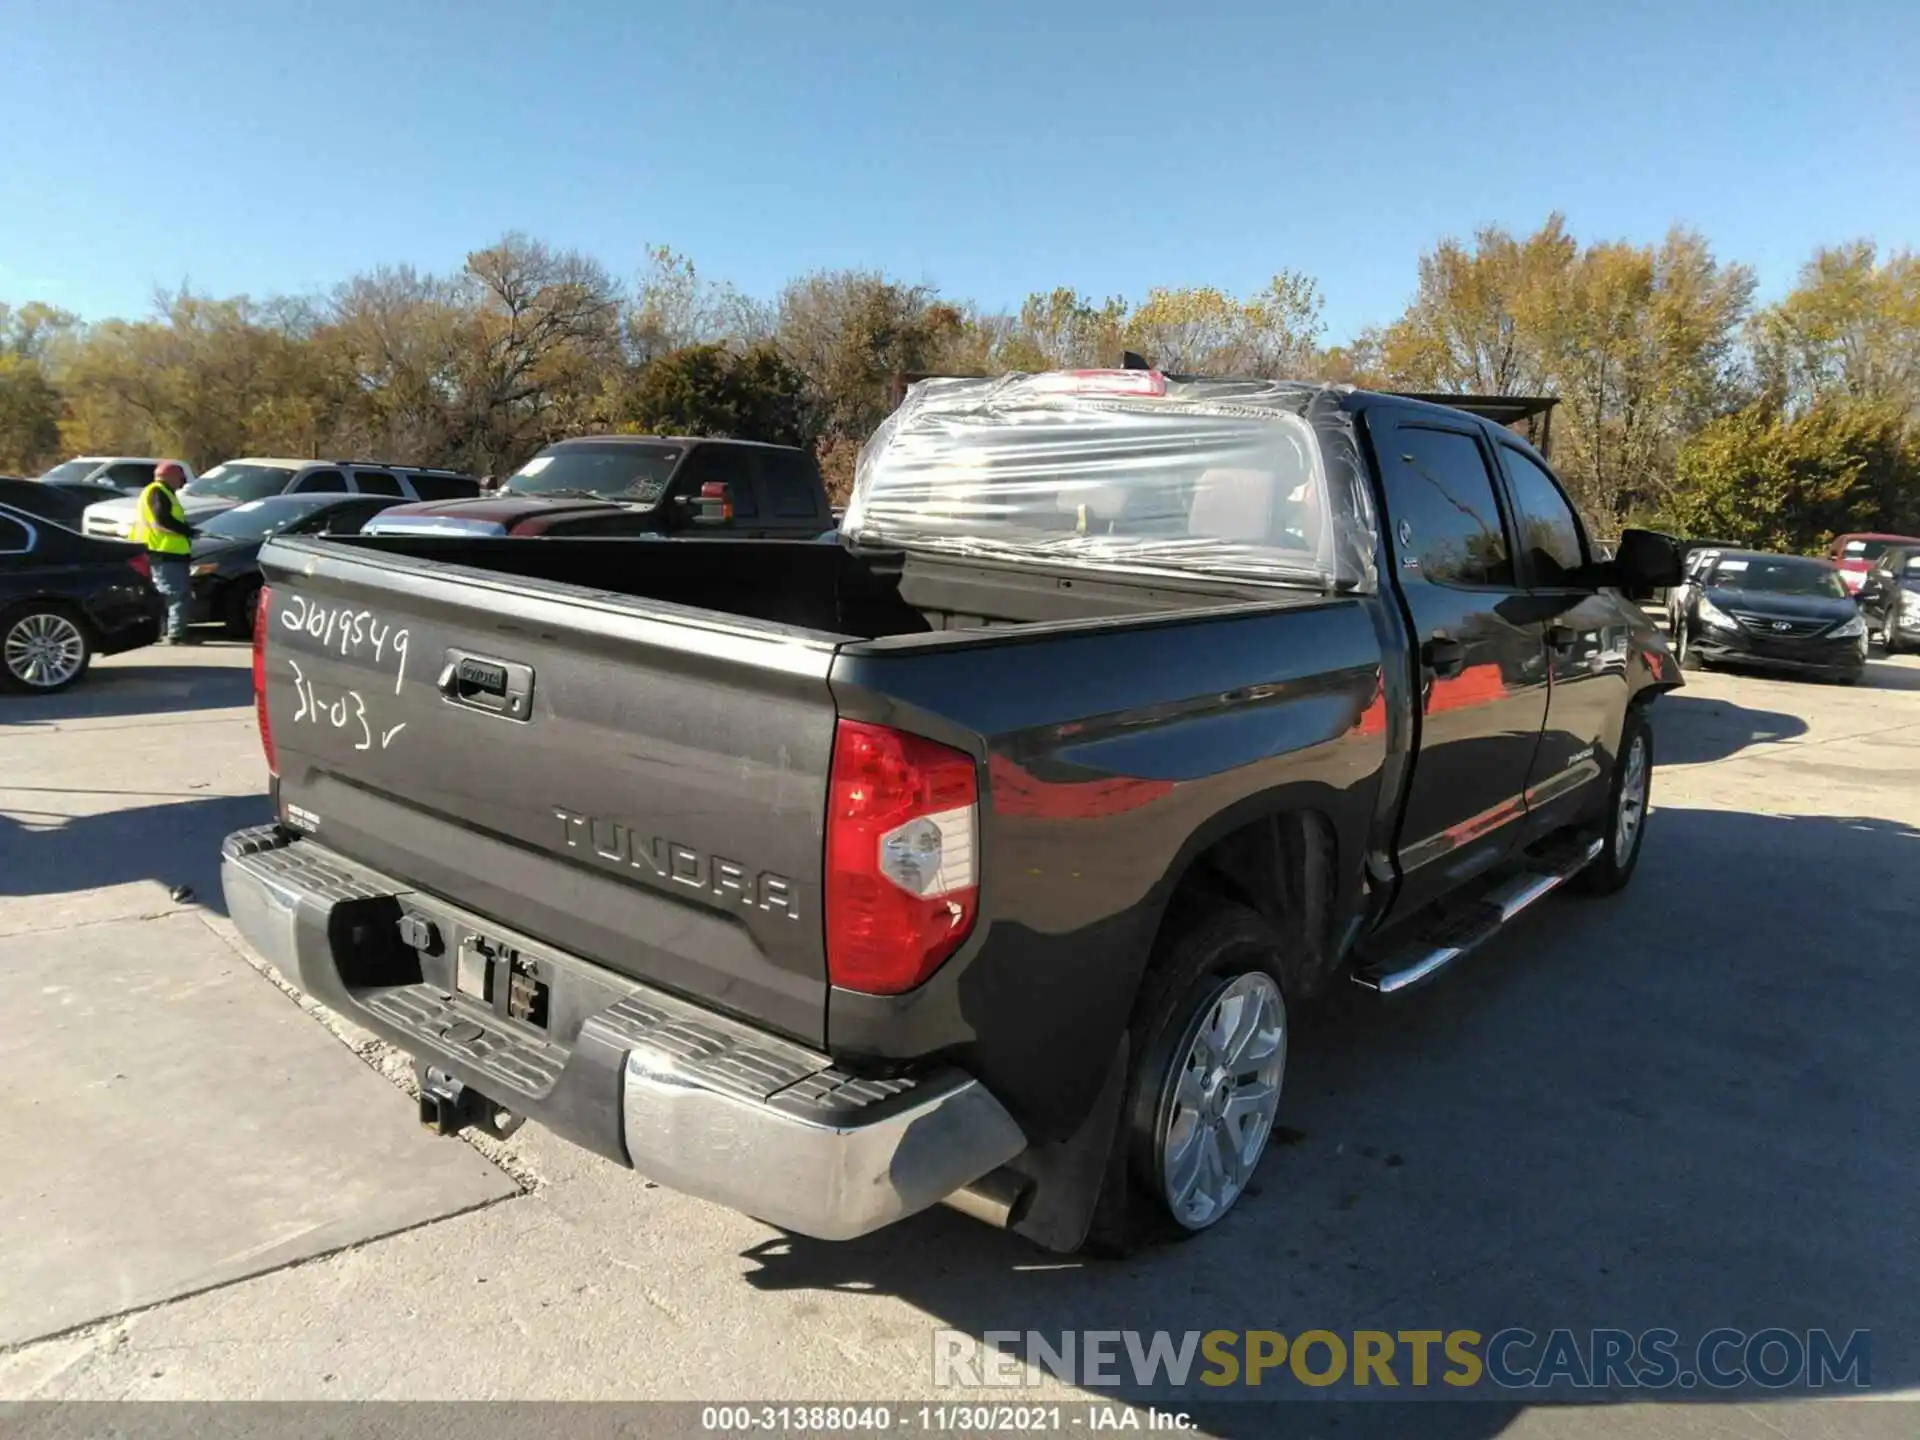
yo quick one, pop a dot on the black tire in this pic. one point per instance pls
(1891, 638)
(238, 607)
(1613, 867)
(1683, 650)
(1202, 951)
(37, 614)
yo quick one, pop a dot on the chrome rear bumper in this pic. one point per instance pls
(698, 1101)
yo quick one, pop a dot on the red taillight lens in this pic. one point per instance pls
(141, 566)
(260, 677)
(902, 878)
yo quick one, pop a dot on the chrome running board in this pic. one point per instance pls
(1426, 956)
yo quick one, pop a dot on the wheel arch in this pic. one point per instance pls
(1279, 855)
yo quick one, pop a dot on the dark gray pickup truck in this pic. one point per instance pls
(985, 856)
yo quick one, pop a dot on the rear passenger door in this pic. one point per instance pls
(1586, 636)
(1479, 668)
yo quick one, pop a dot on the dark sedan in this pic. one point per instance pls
(1774, 612)
(61, 501)
(1890, 597)
(226, 547)
(66, 597)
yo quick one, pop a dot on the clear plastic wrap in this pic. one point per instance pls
(1127, 471)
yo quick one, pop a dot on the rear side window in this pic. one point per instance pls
(319, 480)
(720, 462)
(443, 487)
(788, 481)
(1549, 531)
(1441, 509)
(14, 536)
(377, 482)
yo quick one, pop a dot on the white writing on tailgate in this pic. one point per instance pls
(357, 632)
(345, 711)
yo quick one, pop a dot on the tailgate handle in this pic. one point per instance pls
(480, 682)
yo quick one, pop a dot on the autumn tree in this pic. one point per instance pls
(1642, 351)
(711, 390)
(1201, 330)
(675, 307)
(1779, 482)
(206, 380)
(1061, 329)
(29, 398)
(1639, 343)
(1477, 322)
(851, 331)
(539, 329)
(1850, 328)
(389, 353)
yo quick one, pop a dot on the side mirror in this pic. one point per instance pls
(712, 506)
(1644, 560)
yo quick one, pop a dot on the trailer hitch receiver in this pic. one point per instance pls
(447, 1107)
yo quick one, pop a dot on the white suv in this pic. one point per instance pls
(234, 482)
(129, 474)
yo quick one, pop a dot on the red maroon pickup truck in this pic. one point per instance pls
(639, 485)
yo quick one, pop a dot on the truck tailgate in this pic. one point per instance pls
(639, 784)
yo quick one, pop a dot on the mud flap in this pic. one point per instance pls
(1069, 1175)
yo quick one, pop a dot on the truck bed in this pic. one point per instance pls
(826, 588)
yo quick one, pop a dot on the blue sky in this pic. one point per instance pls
(992, 149)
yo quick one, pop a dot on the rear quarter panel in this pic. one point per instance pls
(1110, 759)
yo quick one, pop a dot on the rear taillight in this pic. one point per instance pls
(902, 880)
(260, 678)
(141, 565)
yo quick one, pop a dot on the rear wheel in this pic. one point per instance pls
(43, 647)
(1209, 1046)
(239, 607)
(1626, 817)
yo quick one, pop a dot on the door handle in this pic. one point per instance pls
(1444, 656)
(500, 687)
(1562, 637)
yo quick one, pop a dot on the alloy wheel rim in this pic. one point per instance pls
(1633, 801)
(1218, 1106)
(44, 650)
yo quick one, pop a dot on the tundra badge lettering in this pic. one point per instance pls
(619, 844)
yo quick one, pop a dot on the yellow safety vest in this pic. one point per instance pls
(145, 532)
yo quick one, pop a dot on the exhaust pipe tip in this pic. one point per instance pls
(995, 1199)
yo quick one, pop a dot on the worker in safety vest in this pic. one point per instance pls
(161, 525)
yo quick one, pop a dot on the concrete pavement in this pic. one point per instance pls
(1688, 1106)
